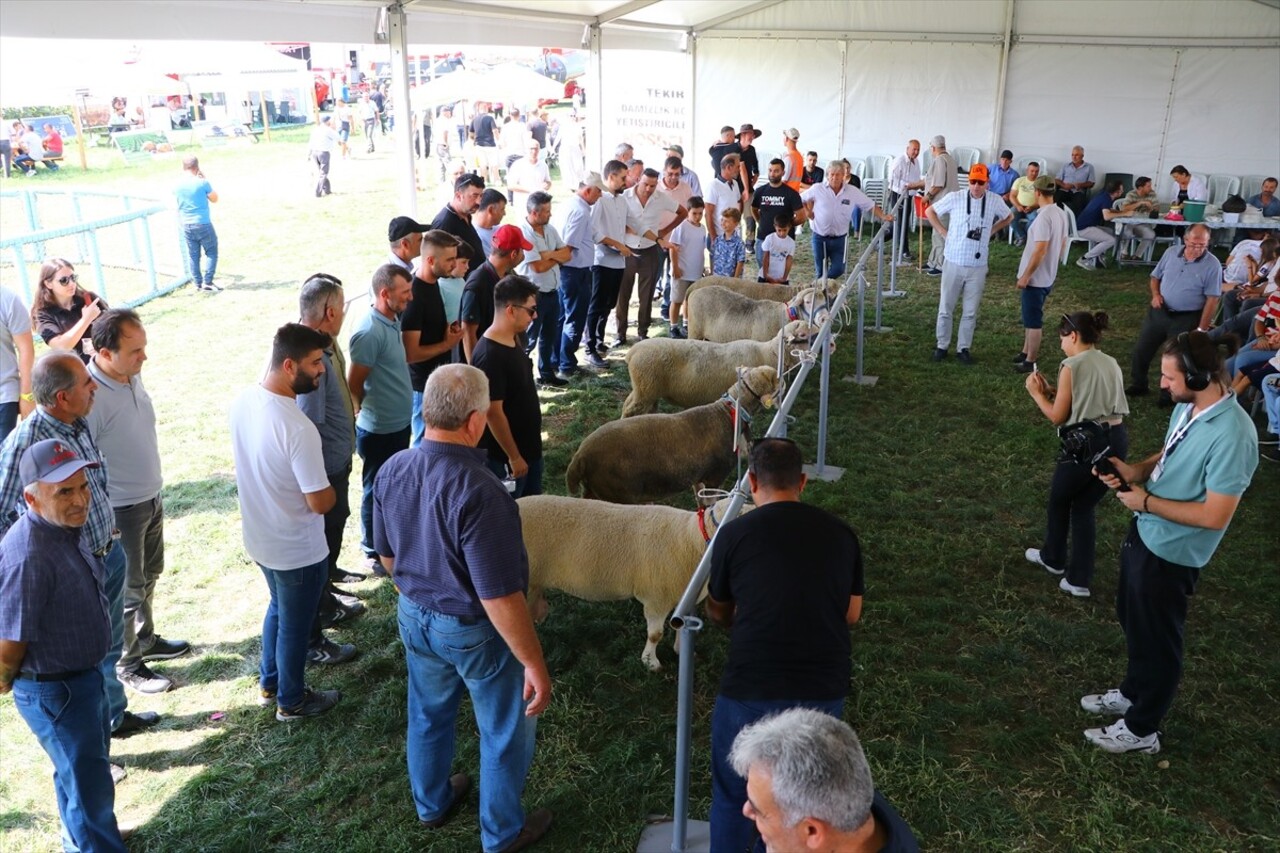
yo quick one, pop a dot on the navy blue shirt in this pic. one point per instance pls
(1092, 213)
(451, 527)
(51, 597)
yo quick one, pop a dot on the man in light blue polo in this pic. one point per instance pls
(1185, 288)
(575, 274)
(1183, 498)
(194, 193)
(1075, 179)
(381, 390)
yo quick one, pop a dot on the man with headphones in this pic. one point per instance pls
(1183, 498)
(1185, 288)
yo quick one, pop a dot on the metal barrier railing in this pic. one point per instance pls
(684, 618)
(137, 217)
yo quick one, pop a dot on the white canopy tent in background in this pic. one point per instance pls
(1141, 84)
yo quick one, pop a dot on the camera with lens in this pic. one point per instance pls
(974, 234)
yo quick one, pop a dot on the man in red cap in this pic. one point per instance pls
(509, 246)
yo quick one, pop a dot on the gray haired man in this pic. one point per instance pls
(809, 787)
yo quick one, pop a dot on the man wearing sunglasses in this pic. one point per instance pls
(975, 215)
(513, 439)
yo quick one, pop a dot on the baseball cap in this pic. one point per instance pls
(508, 237)
(978, 172)
(1045, 183)
(403, 226)
(593, 180)
(748, 128)
(791, 133)
(679, 151)
(50, 461)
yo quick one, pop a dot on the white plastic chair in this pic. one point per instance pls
(1020, 164)
(1222, 187)
(1250, 185)
(875, 177)
(1073, 235)
(966, 158)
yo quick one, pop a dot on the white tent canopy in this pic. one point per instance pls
(1141, 84)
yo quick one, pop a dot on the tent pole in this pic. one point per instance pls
(997, 124)
(844, 70)
(691, 129)
(595, 125)
(402, 133)
(1168, 112)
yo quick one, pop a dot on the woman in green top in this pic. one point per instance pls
(1090, 389)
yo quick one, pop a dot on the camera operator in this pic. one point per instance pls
(1090, 398)
(974, 216)
(1191, 490)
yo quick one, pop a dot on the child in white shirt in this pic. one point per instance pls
(688, 247)
(778, 251)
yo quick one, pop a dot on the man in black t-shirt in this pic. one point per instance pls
(788, 580)
(727, 145)
(455, 217)
(429, 337)
(771, 199)
(749, 175)
(477, 308)
(487, 133)
(513, 437)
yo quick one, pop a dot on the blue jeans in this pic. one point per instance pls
(8, 419)
(731, 831)
(286, 629)
(829, 251)
(1271, 401)
(575, 297)
(113, 585)
(375, 448)
(1248, 356)
(418, 424)
(201, 237)
(1021, 222)
(444, 655)
(529, 484)
(69, 720)
(545, 333)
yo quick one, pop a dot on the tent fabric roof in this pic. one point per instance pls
(660, 23)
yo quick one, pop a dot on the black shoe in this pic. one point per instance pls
(339, 575)
(617, 342)
(595, 360)
(144, 680)
(459, 785)
(341, 613)
(1019, 358)
(552, 381)
(1025, 367)
(1137, 391)
(564, 376)
(678, 333)
(348, 601)
(330, 653)
(934, 271)
(939, 354)
(313, 704)
(132, 723)
(163, 649)
(963, 357)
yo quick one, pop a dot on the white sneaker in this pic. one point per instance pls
(1085, 263)
(1111, 702)
(1033, 555)
(1077, 591)
(1117, 738)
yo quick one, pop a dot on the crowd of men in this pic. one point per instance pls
(438, 395)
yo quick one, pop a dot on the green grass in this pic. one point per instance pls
(967, 665)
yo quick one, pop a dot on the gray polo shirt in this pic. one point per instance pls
(328, 411)
(123, 425)
(14, 322)
(1187, 285)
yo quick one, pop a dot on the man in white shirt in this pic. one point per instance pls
(284, 494)
(526, 175)
(904, 176)
(324, 139)
(829, 207)
(975, 215)
(610, 219)
(541, 265)
(723, 194)
(658, 214)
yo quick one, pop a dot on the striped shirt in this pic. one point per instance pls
(452, 528)
(38, 427)
(52, 597)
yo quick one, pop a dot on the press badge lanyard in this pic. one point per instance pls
(1179, 433)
